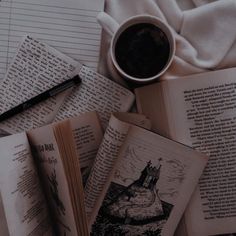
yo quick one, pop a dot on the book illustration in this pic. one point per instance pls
(172, 175)
(51, 177)
(136, 209)
(60, 208)
(54, 193)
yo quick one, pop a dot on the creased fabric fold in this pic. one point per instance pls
(205, 34)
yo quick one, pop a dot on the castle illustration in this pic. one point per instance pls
(136, 209)
(149, 176)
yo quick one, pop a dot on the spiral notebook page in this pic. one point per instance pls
(67, 25)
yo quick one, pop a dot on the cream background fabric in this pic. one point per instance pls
(204, 30)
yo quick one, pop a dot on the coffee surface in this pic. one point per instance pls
(142, 50)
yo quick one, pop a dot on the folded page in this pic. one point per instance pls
(107, 155)
(104, 162)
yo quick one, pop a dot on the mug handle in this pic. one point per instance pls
(107, 23)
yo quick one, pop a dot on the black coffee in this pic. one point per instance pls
(142, 50)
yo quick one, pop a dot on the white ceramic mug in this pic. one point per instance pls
(115, 30)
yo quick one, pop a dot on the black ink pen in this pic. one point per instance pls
(41, 97)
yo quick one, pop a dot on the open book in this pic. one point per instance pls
(41, 188)
(40, 181)
(200, 111)
(140, 183)
(38, 67)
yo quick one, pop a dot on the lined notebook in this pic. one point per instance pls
(67, 25)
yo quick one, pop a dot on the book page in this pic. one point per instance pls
(150, 102)
(35, 69)
(24, 202)
(96, 93)
(107, 155)
(103, 164)
(46, 152)
(205, 118)
(149, 187)
(134, 118)
(88, 135)
(69, 26)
